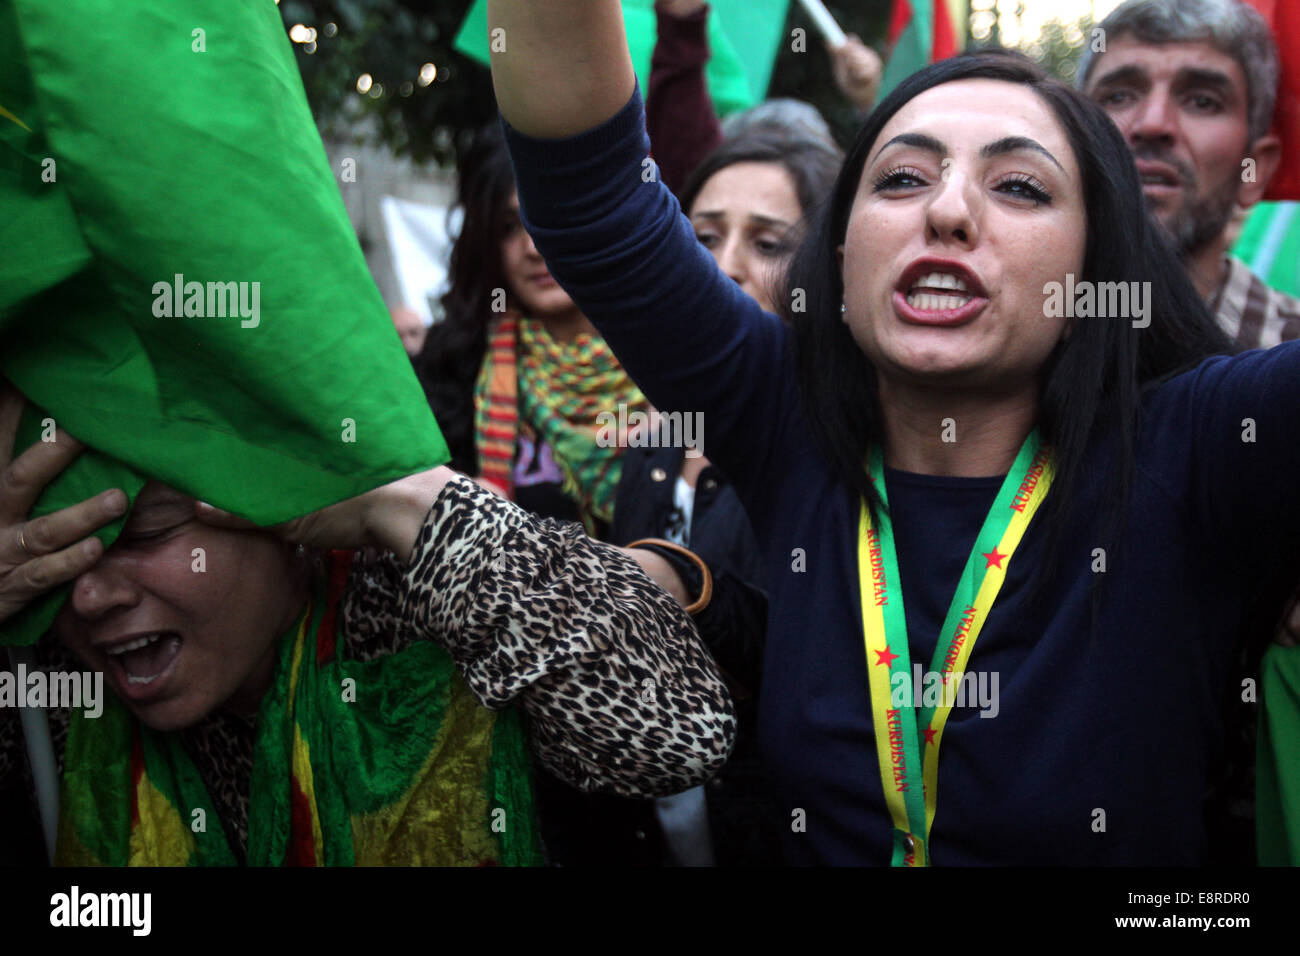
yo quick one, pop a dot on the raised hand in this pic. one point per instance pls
(45, 552)
(857, 69)
(563, 68)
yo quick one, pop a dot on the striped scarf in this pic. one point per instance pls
(390, 761)
(534, 387)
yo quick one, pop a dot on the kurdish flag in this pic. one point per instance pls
(181, 288)
(744, 37)
(920, 32)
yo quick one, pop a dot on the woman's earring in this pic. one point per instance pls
(843, 308)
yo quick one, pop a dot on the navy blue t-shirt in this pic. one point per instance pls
(1105, 737)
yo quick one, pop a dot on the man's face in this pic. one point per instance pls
(1183, 109)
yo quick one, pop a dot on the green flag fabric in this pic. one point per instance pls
(912, 36)
(1277, 766)
(744, 36)
(755, 29)
(181, 288)
(1270, 245)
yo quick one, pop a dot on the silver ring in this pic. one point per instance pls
(22, 543)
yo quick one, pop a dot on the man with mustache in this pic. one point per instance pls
(1192, 84)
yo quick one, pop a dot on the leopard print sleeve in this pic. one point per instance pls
(621, 694)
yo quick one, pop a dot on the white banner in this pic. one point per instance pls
(420, 248)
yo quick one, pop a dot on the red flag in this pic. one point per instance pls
(899, 17)
(944, 40)
(1284, 18)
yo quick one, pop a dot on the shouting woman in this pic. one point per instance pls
(1009, 541)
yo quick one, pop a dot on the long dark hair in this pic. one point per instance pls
(448, 364)
(1092, 379)
(811, 163)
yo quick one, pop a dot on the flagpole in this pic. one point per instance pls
(824, 22)
(40, 753)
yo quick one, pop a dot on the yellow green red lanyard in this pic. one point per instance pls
(908, 737)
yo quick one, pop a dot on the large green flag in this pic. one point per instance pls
(180, 286)
(744, 37)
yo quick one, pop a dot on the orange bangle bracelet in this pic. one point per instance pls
(706, 588)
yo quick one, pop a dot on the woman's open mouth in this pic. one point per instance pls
(141, 665)
(938, 298)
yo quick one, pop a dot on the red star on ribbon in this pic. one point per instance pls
(886, 656)
(993, 558)
(929, 735)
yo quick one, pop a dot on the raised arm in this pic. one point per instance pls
(679, 114)
(614, 237)
(562, 66)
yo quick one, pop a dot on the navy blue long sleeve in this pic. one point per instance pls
(1104, 737)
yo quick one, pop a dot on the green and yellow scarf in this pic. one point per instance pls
(533, 386)
(390, 761)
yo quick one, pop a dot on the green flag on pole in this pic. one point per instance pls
(180, 287)
(744, 36)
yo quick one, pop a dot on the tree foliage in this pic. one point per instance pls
(390, 40)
